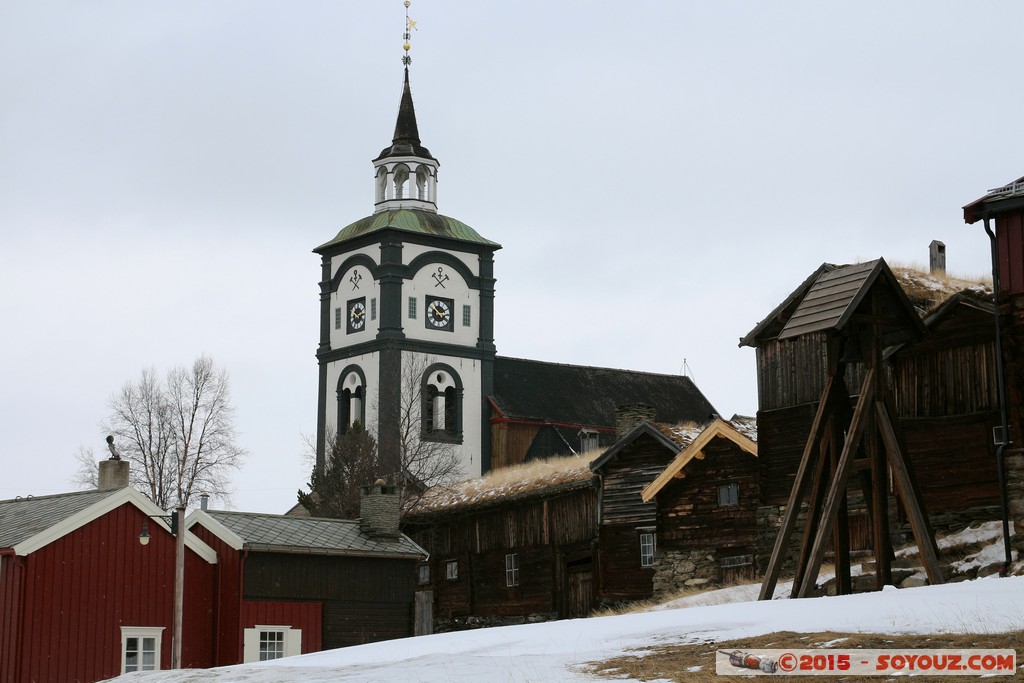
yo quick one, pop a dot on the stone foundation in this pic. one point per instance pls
(675, 569)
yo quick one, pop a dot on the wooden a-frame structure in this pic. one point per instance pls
(862, 310)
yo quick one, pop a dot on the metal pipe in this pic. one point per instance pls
(1003, 410)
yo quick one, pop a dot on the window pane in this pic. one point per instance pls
(271, 645)
(412, 307)
(466, 316)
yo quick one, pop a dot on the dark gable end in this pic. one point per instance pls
(587, 396)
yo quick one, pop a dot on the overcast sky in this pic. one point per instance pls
(660, 175)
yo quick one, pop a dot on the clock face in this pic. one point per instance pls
(356, 315)
(439, 313)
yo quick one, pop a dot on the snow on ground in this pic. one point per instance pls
(553, 651)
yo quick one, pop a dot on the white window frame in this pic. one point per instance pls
(511, 570)
(141, 633)
(451, 570)
(467, 315)
(412, 308)
(423, 574)
(648, 546)
(292, 638)
(337, 318)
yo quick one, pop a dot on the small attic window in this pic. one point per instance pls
(589, 440)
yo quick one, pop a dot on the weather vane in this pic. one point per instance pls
(409, 26)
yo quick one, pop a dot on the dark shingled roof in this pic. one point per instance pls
(836, 295)
(23, 518)
(586, 396)
(315, 535)
(407, 135)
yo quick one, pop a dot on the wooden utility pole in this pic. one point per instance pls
(179, 586)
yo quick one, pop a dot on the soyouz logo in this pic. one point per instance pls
(836, 662)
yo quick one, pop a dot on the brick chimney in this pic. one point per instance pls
(629, 415)
(378, 510)
(937, 258)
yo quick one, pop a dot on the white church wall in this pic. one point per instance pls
(469, 371)
(425, 283)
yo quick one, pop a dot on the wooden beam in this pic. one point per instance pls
(906, 486)
(817, 496)
(796, 494)
(880, 512)
(838, 488)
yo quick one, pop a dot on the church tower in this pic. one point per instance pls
(407, 317)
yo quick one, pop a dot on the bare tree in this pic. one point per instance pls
(424, 463)
(178, 434)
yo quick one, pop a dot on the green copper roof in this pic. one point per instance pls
(413, 221)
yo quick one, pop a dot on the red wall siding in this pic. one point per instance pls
(80, 589)
(11, 591)
(307, 616)
(1010, 248)
(228, 589)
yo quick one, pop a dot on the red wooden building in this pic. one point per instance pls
(293, 585)
(81, 599)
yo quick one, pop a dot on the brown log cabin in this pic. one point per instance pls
(945, 394)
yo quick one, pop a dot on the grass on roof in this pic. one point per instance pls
(506, 482)
(927, 290)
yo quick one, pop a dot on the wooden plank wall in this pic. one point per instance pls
(12, 575)
(624, 477)
(689, 516)
(81, 588)
(619, 574)
(951, 381)
(545, 532)
(306, 616)
(954, 460)
(364, 599)
(510, 442)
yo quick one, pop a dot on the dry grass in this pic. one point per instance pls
(926, 291)
(529, 477)
(695, 662)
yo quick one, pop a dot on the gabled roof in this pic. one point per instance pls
(781, 314)
(582, 396)
(1009, 197)
(979, 300)
(719, 428)
(836, 296)
(412, 221)
(313, 535)
(28, 524)
(923, 289)
(671, 437)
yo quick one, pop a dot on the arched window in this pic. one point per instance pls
(423, 184)
(351, 398)
(441, 404)
(382, 183)
(401, 176)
